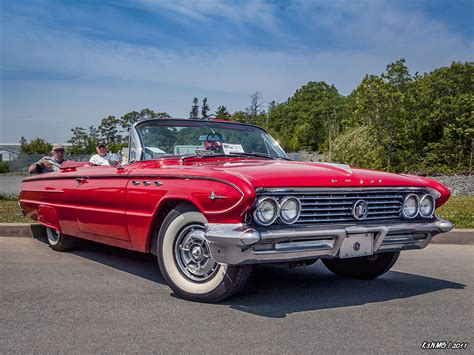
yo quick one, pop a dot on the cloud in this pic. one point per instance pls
(254, 11)
(66, 78)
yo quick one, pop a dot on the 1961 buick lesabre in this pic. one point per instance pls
(213, 198)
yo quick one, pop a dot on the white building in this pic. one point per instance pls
(8, 152)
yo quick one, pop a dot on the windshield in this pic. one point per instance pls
(203, 138)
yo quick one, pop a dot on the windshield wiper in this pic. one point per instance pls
(220, 155)
(258, 155)
(234, 154)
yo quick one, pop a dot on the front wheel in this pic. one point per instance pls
(60, 242)
(186, 262)
(365, 267)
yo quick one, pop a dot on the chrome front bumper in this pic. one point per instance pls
(235, 244)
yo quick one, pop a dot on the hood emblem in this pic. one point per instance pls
(360, 209)
(213, 196)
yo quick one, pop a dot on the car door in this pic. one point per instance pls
(101, 207)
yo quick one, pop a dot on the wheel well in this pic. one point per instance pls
(158, 219)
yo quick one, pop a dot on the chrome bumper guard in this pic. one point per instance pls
(235, 244)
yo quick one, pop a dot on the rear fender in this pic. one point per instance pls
(48, 217)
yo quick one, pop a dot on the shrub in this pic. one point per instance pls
(358, 148)
(4, 167)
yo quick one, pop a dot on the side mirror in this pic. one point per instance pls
(115, 161)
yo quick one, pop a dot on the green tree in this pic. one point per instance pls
(109, 130)
(132, 117)
(271, 106)
(23, 143)
(444, 109)
(194, 114)
(357, 147)
(222, 113)
(82, 141)
(36, 146)
(383, 102)
(420, 123)
(129, 119)
(204, 109)
(305, 119)
(78, 141)
(239, 116)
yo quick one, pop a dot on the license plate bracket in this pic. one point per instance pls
(357, 245)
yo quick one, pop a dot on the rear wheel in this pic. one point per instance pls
(187, 264)
(366, 267)
(60, 242)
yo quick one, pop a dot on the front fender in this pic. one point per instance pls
(220, 201)
(444, 193)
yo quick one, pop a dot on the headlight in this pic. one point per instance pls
(411, 206)
(290, 209)
(427, 206)
(266, 211)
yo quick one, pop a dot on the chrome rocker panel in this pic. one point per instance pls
(235, 244)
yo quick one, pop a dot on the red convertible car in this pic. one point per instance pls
(213, 198)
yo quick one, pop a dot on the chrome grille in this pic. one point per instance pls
(335, 205)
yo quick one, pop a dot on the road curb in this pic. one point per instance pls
(29, 230)
(22, 230)
(456, 236)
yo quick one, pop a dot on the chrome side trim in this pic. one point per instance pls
(339, 189)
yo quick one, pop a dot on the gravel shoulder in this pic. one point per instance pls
(10, 184)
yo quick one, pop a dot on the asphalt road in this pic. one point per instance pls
(103, 299)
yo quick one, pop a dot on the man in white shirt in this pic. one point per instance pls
(102, 156)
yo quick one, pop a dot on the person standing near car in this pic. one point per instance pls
(102, 156)
(49, 163)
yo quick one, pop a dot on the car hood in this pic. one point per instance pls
(280, 173)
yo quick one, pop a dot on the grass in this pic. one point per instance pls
(10, 212)
(459, 210)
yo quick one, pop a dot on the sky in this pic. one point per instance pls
(70, 63)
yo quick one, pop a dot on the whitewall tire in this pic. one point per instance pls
(60, 242)
(186, 262)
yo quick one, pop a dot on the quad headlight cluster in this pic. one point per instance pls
(414, 206)
(269, 209)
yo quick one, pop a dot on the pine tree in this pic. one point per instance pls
(222, 113)
(194, 114)
(204, 109)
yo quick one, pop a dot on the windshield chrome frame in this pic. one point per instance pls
(138, 156)
(139, 146)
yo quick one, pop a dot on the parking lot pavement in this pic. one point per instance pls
(103, 299)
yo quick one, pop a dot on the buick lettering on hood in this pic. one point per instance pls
(212, 198)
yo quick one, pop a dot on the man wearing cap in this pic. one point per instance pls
(102, 156)
(49, 163)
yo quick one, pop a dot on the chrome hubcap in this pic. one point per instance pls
(53, 235)
(192, 254)
(196, 253)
